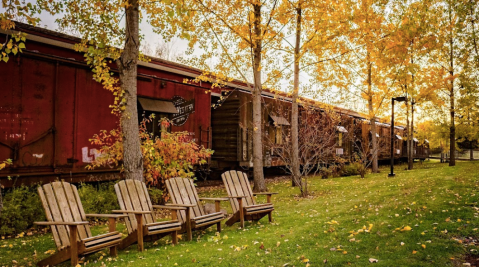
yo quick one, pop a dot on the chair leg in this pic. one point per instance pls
(139, 220)
(112, 228)
(188, 224)
(174, 237)
(73, 245)
(241, 212)
(270, 216)
(218, 227)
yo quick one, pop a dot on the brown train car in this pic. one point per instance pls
(50, 107)
(420, 149)
(232, 129)
(383, 133)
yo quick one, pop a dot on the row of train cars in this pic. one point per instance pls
(50, 107)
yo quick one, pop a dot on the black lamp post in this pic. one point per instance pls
(399, 99)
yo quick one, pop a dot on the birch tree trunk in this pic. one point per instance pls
(259, 184)
(411, 158)
(452, 134)
(374, 139)
(127, 66)
(294, 112)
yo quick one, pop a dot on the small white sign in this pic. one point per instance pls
(339, 151)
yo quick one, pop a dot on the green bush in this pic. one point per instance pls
(156, 196)
(21, 207)
(351, 169)
(99, 199)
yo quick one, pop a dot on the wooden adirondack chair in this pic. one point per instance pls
(183, 194)
(242, 199)
(72, 235)
(135, 201)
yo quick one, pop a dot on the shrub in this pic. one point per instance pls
(351, 169)
(100, 199)
(171, 155)
(21, 207)
(156, 196)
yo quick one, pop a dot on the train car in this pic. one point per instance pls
(420, 150)
(50, 107)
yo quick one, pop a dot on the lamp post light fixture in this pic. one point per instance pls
(399, 99)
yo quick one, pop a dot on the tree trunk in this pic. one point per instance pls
(373, 118)
(452, 134)
(259, 184)
(1, 200)
(294, 112)
(411, 158)
(408, 127)
(127, 66)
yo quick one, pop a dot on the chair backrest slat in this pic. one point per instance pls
(176, 198)
(58, 231)
(66, 188)
(125, 204)
(133, 195)
(80, 207)
(237, 184)
(192, 194)
(183, 191)
(61, 203)
(142, 196)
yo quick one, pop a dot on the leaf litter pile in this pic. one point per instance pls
(424, 217)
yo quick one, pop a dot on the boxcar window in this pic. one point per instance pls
(161, 109)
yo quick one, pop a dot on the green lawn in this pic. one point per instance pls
(418, 218)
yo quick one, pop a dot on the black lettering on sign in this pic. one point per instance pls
(184, 107)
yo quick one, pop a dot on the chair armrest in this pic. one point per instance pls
(132, 211)
(116, 216)
(235, 197)
(264, 193)
(214, 198)
(61, 223)
(181, 205)
(168, 207)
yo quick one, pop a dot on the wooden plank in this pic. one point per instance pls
(230, 190)
(209, 217)
(175, 197)
(102, 246)
(80, 207)
(243, 178)
(64, 235)
(184, 196)
(100, 236)
(75, 212)
(64, 208)
(192, 195)
(148, 200)
(147, 218)
(127, 205)
(172, 226)
(238, 188)
(48, 215)
(103, 239)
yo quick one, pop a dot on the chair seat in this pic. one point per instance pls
(260, 208)
(163, 227)
(100, 242)
(207, 219)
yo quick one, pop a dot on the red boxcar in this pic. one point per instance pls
(50, 107)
